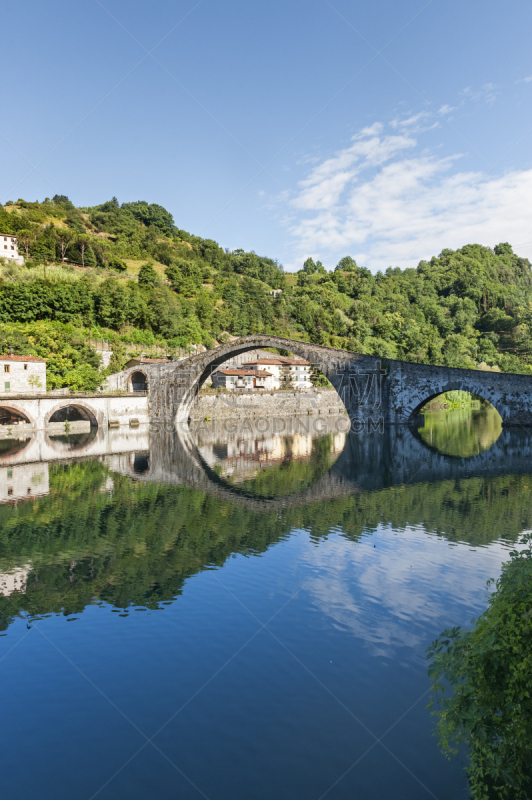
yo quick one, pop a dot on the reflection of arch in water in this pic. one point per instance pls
(139, 463)
(174, 459)
(273, 463)
(12, 446)
(138, 381)
(69, 411)
(70, 442)
(11, 413)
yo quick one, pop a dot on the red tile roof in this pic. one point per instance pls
(12, 357)
(267, 361)
(251, 372)
(278, 361)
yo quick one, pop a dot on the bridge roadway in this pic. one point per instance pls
(374, 391)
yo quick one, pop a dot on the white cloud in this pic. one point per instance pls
(411, 121)
(528, 80)
(446, 109)
(386, 201)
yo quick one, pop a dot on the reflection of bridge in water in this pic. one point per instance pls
(358, 461)
(368, 461)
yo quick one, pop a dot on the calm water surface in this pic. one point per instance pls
(243, 614)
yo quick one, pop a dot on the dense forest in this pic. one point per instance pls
(135, 277)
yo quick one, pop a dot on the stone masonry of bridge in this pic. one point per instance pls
(374, 391)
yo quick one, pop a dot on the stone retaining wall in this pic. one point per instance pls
(267, 404)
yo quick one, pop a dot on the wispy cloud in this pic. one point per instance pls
(486, 94)
(446, 109)
(386, 200)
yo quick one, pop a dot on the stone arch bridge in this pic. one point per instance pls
(374, 391)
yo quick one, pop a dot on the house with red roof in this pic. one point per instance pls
(242, 379)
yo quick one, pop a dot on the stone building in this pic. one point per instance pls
(9, 248)
(22, 374)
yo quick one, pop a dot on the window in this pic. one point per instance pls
(5, 247)
(7, 386)
(25, 366)
(12, 247)
(10, 473)
(5, 238)
(10, 490)
(6, 367)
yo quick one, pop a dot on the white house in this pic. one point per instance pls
(22, 374)
(242, 379)
(9, 248)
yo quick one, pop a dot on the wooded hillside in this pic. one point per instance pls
(142, 280)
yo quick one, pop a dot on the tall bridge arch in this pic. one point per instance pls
(374, 391)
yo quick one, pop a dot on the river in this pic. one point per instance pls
(245, 613)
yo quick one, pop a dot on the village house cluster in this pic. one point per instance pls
(268, 374)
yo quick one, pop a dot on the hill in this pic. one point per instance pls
(141, 281)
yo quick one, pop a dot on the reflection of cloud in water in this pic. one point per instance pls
(410, 585)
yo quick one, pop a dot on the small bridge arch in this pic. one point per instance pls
(9, 409)
(73, 410)
(138, 381)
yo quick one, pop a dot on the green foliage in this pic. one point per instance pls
(69, 362)
(147, 276)
(460, 309)
(489, 669)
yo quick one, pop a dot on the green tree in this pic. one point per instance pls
(147, 276)
(489, 669)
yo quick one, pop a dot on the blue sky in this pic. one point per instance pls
(384, 130)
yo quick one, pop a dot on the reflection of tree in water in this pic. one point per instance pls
(294, 474)
(461, 432)
(140, 543)
(489, 670)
